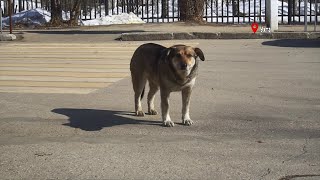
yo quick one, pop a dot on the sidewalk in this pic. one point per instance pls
(213, 31)
(183, 27)
(165, 31)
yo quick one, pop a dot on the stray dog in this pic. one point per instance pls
(172, 69)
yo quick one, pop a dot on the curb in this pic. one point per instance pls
(147, 36)
(7, 37)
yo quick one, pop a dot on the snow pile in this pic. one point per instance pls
(123, 18)
(40, 17)
(36, 16)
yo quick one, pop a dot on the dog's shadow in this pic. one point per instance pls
(95, 120)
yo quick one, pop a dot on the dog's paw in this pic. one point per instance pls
(187, 122)
(152, 112)
(139, 113)
(168, 123)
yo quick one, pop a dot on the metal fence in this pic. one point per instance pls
(155, 11)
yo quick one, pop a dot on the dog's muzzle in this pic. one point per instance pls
(183, 66)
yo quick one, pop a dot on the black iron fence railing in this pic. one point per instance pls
(156, 11)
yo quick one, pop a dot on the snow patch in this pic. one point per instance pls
(123, 18)
(40, 17)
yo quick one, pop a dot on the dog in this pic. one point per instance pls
(170, 69)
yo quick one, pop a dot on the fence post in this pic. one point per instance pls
(316, 15)
(0, 20)
(289, 11)
(10, 16)
(305, 16)
(272, 15)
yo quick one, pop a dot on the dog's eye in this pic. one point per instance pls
(189, 55)
(178, 55)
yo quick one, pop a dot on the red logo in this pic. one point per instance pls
(254, 27)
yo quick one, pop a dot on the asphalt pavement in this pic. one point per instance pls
(256, 108)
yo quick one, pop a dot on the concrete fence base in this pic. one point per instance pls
(206, 35)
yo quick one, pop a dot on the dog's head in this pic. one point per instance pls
(183, 58)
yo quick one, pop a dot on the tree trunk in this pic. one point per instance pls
(191, 10)
(56, 13)
(5, 10)
(75, 12)
(164, 9)
(295, 7)
(130, 6)
(235, 10)
(21, 8)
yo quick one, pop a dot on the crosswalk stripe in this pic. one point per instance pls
(66, 65)
(104, 52)
(88, 58)
(63, 69)
(61, 55)
(64, 74)
(54, 84)
(65, 61)
(60, 79)
(46, 90)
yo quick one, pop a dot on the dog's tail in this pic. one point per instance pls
(142, 94)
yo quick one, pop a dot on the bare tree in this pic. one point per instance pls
(20, 6)
(191, 10)
(56, 13)
(164, 8)
(131, 5)
(75, 11)
(295, 7)
(235, 8)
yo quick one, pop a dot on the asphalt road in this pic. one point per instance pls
(256, 108)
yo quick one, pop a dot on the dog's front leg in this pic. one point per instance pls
(186, 93)
(153, 89)
(165, 108)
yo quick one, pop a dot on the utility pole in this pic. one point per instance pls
(10, 15)
(0, 20)
(315, 15)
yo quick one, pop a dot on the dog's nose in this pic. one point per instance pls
(183, 66)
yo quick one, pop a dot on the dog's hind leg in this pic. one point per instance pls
(153, 90)
(138, 87)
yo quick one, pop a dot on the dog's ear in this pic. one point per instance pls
(199, 53)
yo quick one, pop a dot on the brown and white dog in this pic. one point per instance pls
(170, 69)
